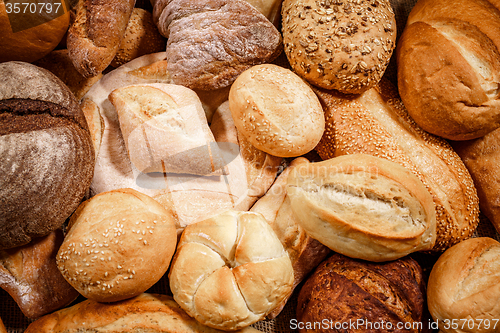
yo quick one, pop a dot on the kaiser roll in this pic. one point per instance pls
(118, 245)
(463, 287)
(363, 207)
(449, 67)
(230, 271)
(377, 123)
(276, 111)
(349, 295)
(46, 153)
(30, 32)
(342, 45)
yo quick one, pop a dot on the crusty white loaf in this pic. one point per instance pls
(377, 123)
(363, 206)
(449, 67)
(463, 287)
(152, 313)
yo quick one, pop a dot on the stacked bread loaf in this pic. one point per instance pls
(216, 165)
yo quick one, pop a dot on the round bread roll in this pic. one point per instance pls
(339, 45)
(348, 295)
(141, 37)
(118, 245)
(27, 35)
(363, 207)
(276, 111)
(463, 287)
(449, 67)
(46, 153)
(230, 271)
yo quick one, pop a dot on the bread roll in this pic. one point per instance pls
(141, 37)
(368, 297)
(211, 42)
(194, 198)
(230, 271)
(30, 35)
(377, 123)
(463, 287)
(96, 33)
(152, 313)
(29, 274)
(118, 245)
(449, 67)
(165, 129)
(363, 206)
(270, 8)
(304, 251)
(59, 63)
(2, 327)
(46, 154)
(276, 111)
(258, 169)
(339, 45)
(481, 156)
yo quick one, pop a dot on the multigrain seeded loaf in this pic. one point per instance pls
(151, 313)
(46, 153)
(343, 45)
(377, 123)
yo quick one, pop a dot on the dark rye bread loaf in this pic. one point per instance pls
(344, 290)
(46, 154)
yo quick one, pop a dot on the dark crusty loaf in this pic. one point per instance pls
(95, 35)
(210, 42)
(377, 123)
(29, 274)
(46, 154)
(344, 290)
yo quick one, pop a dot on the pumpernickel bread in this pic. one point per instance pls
(46, 153)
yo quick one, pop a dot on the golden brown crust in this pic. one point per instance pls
(363, 207)
(34, 43)
(118, 245)
(152, 313)
(230, 271)
(29, 274)
(339, 45)
(481, 156)
(377, 123)
(449, 67)
(2, 327)
(141, 37)
(95, 35)
(463, 284)
(391, 292)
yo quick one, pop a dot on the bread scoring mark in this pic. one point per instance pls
(483, 273)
